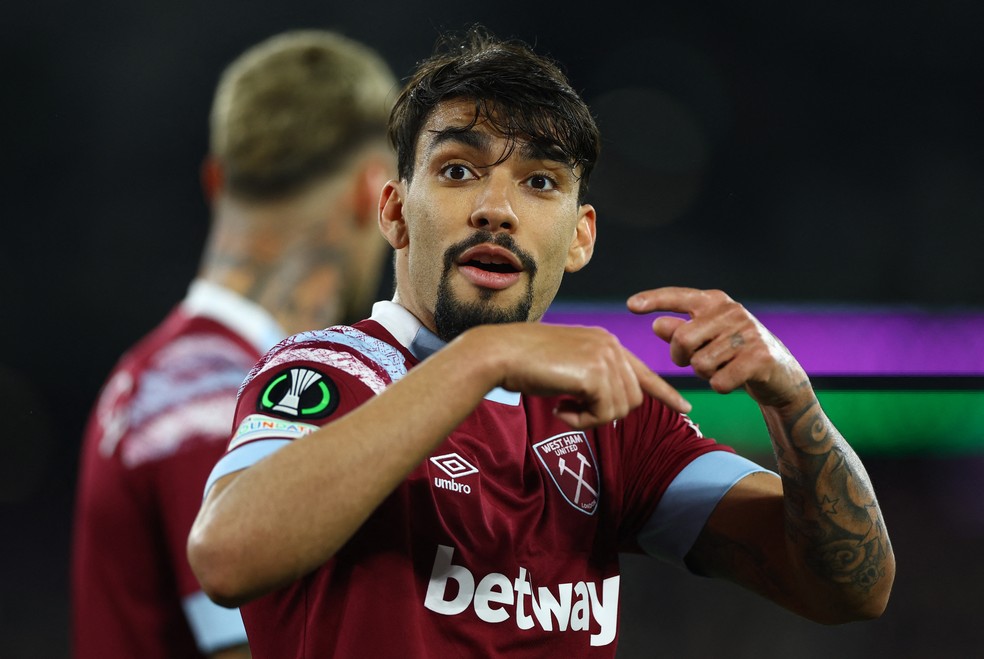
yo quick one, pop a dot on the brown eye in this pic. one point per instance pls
(457, 173)
(542, 182)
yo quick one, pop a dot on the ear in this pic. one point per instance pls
(582, 246)
(371, 179)
(213, 178)
(391, 222)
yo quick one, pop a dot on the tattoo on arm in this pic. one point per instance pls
(830, 506)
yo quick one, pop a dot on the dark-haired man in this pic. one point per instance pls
(452, 478)
(297, 156)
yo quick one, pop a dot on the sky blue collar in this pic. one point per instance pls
(425, 343)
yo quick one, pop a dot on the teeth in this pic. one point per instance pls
(493, 262)
(495, 267)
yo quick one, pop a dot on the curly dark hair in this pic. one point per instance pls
(520, 94)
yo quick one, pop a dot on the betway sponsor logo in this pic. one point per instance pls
(497, 598)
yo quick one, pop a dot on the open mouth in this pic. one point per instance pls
(491, 258)
(491, 266)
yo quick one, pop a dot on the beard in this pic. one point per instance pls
(453, 316)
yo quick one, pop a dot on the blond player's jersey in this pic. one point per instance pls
(162, 420)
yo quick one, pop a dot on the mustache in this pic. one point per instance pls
(482, 237)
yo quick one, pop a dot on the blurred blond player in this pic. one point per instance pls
(298, 156)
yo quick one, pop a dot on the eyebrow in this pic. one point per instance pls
(469, 138)
(480, 141)
(539, 150)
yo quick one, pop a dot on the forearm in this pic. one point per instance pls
(816, 542)
(270, 524)
(835, 532)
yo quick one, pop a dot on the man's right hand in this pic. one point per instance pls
(603, 379)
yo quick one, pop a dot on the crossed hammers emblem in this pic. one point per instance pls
(579, 475)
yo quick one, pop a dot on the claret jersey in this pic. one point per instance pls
(503, 543)
(161, 422)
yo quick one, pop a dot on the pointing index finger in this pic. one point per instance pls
(668, 298)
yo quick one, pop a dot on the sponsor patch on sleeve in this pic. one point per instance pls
(300, 393)
(258, 426)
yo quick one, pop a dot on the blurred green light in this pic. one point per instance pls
(873, 422)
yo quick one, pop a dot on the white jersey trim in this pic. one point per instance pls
(396, 320)
(246, 318)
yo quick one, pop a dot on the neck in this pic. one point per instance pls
(287, 257)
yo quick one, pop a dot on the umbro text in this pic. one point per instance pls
(454, 486)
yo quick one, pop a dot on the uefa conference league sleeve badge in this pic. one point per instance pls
(299, 393)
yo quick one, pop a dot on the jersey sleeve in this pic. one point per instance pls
(673, 477)
(179, 482)
(154, 434)
(306, 382)
(688, 502)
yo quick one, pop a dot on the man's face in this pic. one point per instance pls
(486, 243)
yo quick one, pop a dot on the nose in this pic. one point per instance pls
(493, 210)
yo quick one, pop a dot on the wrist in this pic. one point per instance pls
(795, 403)
(477, 354)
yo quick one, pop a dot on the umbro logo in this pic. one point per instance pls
(456, 467)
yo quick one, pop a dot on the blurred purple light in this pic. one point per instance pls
(825, 341)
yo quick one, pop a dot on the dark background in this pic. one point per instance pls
(796, 153)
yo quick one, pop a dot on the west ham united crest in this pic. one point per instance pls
(299, 393)
(569, 461)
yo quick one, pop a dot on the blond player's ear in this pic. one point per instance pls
(213, 178)
(369, 182)
(391, 221)
(582, 245)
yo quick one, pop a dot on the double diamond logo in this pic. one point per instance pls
(454, 465)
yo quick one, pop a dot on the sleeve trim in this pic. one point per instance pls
(689, 501)
(245, 456)
(214, 627)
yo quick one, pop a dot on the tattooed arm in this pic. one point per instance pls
(814, 541)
